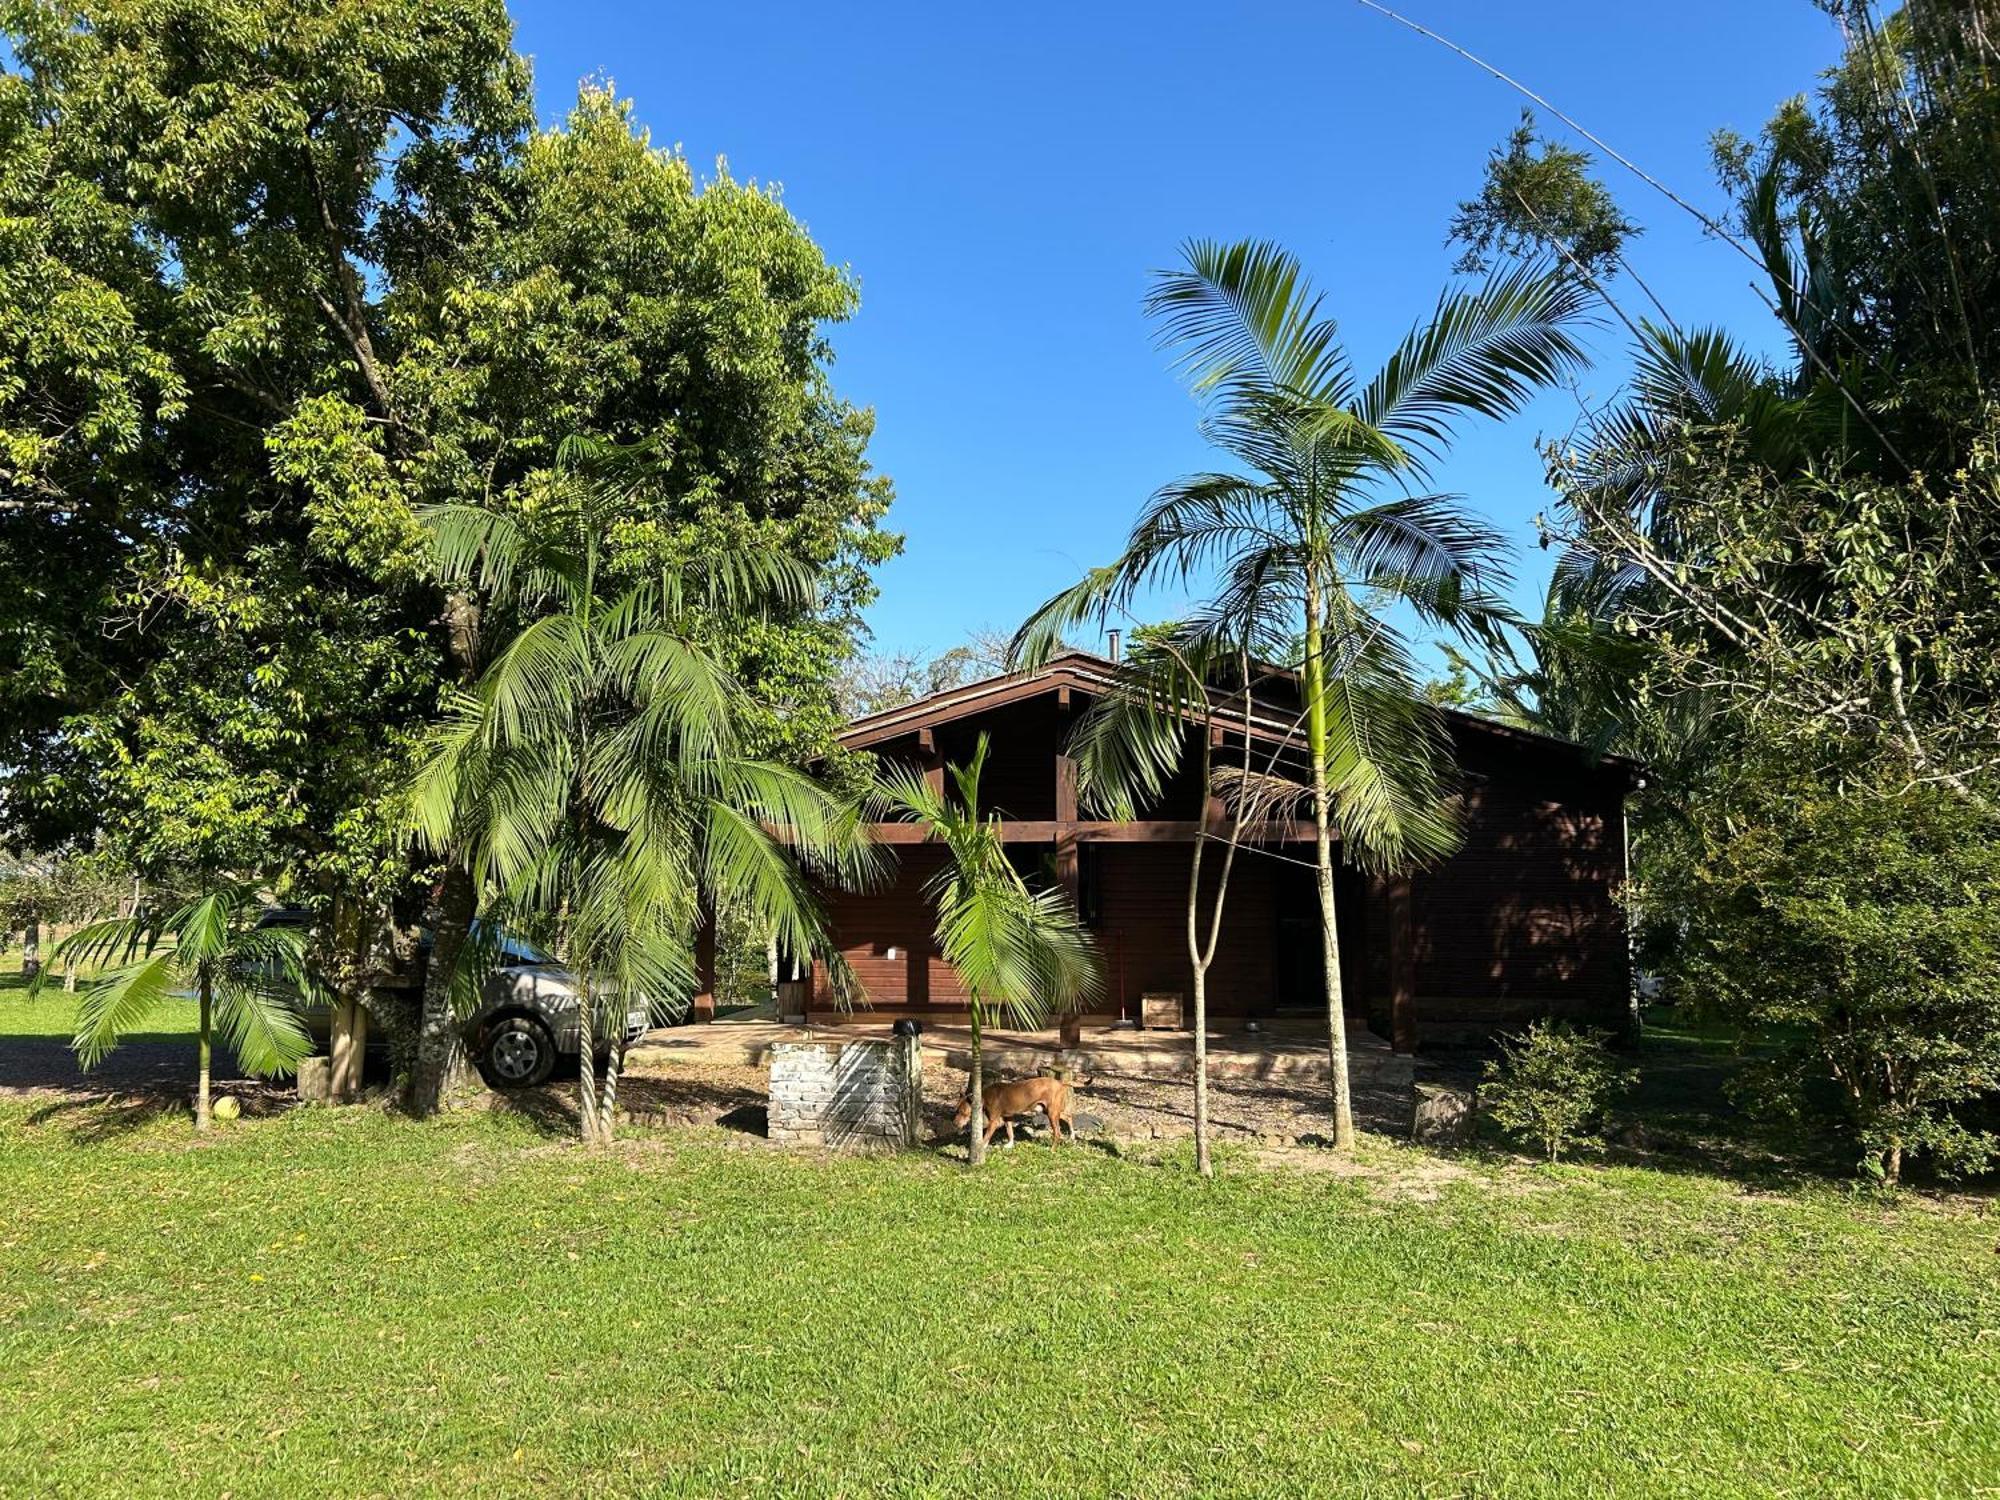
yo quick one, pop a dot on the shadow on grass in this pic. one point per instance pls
(91, 1118)
(551, 1110)
(141, 1063)
(1680, 1116)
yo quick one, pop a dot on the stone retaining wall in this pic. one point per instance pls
(866, 1093)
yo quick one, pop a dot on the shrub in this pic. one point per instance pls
(1550, 1085)
(1857, 929)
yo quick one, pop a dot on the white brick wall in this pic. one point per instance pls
(866, 1093)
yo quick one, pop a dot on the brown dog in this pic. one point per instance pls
(1003, 1101)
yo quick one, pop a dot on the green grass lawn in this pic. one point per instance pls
(341, 1302)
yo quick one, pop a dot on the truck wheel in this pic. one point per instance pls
(517, 1053)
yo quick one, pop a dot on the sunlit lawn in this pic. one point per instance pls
(347, 1303)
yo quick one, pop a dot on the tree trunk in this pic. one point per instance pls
(1336, 1009)
(441, 1063)
(586, 1040)
(975, 1144)
(607, 1108)
(1202, 1163)
(440, 1045)
(201, 1104)
(31, 950)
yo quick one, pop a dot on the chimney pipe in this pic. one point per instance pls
(1111, 643)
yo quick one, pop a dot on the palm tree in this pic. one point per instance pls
(1327, 524)
(594, 779)
(1021, 954)
(249, 978)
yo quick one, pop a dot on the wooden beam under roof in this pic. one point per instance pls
(1141, 831)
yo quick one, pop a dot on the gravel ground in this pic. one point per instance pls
(1249, 1110)
(149, 1074)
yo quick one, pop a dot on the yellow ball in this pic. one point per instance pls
(226, 1108)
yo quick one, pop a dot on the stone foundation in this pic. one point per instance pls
(866, 1094)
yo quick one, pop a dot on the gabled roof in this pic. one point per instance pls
(1095, 675)
(1075, 669)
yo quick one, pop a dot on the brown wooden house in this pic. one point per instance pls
(1520, 922)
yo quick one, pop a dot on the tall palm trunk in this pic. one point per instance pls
(440, 1047)
(1336, 1008)
(975, 1144)
(202, 1114)
(607, 1107)
(441, 1063)
(586, 1041)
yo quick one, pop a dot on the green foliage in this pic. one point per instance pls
(595, 780)
(1538, 197)
(279, 277)
(72, 889)
(1022, 954)
(1325, 524)
(1551, 1084)
(246, 978)
(1860, 925)
(1873, 204)
(1778, 590)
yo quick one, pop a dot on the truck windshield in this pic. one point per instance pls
(515, 949)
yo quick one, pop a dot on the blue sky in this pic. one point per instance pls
(1000, 179)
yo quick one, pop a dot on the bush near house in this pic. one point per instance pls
(1550, 1085)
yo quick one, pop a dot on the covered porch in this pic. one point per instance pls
(1289, 1048)
(1265, 1085)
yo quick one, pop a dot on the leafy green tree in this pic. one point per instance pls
(1324, 526)
(1538, 197)
(1551, 1085)
(247, 978)
(1857, 929)
(227, 668)
(1872, 205)
(1777, 588)
(39, 891)
(1021, 954)
(595, 780)
(289, 273)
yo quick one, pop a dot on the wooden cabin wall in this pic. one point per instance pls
(895, 915)
(1523, 920)
(1141, 911)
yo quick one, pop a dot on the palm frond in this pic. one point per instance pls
(1243, 317)
(1091, 600)
(1389, 759)
(118, 1002)
(260, 1021)
(1483, 352)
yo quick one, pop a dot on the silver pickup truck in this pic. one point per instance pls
(526, 1023)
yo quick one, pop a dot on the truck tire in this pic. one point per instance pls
(516, 1052)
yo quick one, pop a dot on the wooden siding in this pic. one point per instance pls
(1522, 921)
(894, 916)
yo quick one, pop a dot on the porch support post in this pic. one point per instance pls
(349, 1048)
(704, 967)
(1402, 967)
(1067, 868)
(1066, 864)
(933, 762)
